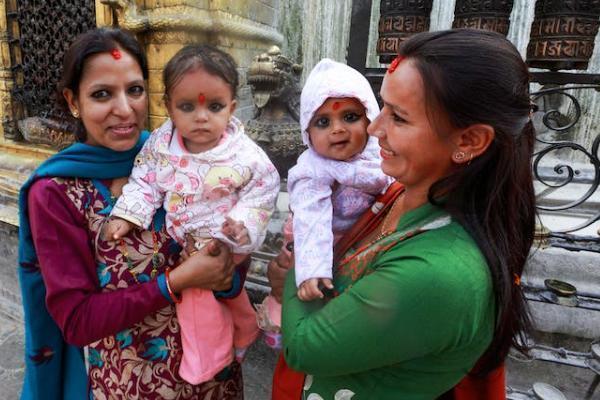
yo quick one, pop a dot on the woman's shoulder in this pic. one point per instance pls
(444, 268)
(48, 190)
(447, 255)
(58, 185)
(447, 240)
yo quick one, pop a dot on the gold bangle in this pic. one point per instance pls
(172, 295)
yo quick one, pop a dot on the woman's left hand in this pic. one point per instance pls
(209, 268)
(276, 272)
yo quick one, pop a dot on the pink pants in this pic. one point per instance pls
(210, 329)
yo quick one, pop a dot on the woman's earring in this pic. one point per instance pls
(459, 156)
(75, 113)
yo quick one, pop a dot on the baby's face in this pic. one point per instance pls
(338, 130)
(200, 105)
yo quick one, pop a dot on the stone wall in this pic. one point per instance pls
(315, 29)
(242, 28)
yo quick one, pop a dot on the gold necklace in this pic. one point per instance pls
(386, 221)
(384, 233)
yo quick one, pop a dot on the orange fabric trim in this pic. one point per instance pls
(287, 383)
(490, 387)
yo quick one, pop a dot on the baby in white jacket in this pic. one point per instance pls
(337, 178)
(334, 181)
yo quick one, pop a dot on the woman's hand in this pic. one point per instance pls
(210, 268)
(277, 269)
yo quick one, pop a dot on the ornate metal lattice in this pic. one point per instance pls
(41, 32)
(553, 172)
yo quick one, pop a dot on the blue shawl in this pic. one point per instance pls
(53, 368)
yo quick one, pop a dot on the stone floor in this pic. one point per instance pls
(11, 358)
(259, 364)
(258, 367)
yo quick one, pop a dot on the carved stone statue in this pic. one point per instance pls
(46, 131)
(275, 82)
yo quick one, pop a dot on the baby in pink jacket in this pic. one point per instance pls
(214, 182)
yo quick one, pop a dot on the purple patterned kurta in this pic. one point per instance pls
(130, 328)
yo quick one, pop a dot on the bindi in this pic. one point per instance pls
(201, 98)
(336, 105)
(115, 53)
(395, 64)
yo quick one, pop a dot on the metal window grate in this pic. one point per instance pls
(39, 32)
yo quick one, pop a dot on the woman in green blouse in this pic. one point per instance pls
(434, 289)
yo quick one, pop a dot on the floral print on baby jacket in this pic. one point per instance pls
(235, 179)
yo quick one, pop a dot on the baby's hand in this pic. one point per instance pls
(309, 289)
(116, 228)
(236, 231)
(213, 247)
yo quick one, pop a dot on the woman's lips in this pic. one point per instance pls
(123, 130)
(386, 154)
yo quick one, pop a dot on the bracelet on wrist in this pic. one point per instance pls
(172, 295)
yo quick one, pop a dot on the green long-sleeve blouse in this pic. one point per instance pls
(409, 330)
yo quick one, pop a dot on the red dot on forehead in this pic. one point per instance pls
(201, 98)
(395, 64)
(336, 105)
(115, 53)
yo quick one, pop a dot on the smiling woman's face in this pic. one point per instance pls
(411, 150)
(111, 102)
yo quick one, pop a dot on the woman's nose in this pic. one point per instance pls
(374, 128)
(122, 107)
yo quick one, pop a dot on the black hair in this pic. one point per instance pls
(478, 77)
(189, 58)
(95, 41)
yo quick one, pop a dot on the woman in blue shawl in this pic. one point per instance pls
(83, 294)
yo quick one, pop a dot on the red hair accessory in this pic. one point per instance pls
(201, 98)
(395, 64)
(115, 53)
(517, 280)
(336, 105)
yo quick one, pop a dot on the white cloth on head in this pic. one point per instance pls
(333, 79)
(327, 196)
